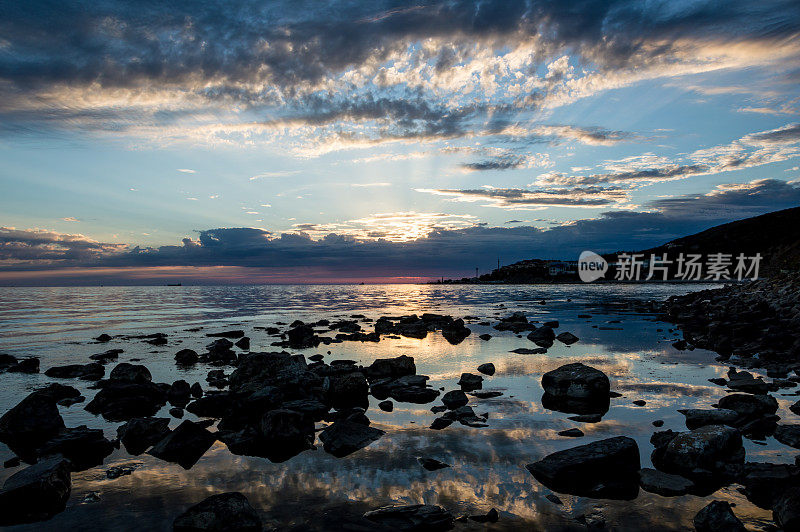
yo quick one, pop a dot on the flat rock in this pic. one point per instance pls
(786, 511)
(696, 417)
(664, 484)
(432, 464)
(487, 368)
(567, 338)
(747, 405)
(788, 435)
(603, 469)
(82, 446)
(571, 433)
(127, 372)
(576, 381)
(345, 437)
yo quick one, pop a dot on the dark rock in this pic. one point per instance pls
(11, 462)
(226, 511)
(527, 351)
(106, 356)
(567, 338)
(349, 389)
(179, 393)
(36, 493)
(743, 381)
(432, 464)
(576, 381)
(764, 483)
(786, 511)
(82, 446)
(470, 382)
(552, 497)
(413, 394)
(139, 434)
(454, 399)
(196, 390)
(243, 343)
(345, 437)
(788, 435)
(603, 469)
(103, 338)
(696, 418)
(185, 445)
(26, 365)
(543, 336)
(487, 369)
(571, 433)
(749, 406)
(302, 337)
(212, 405)
(386, 406)
(485, 337)
(413, 517)
(587, 418)
(31, 422)
(121, 400)
(489, 517)
(186, 357)
(658, 423)
(639, 402)
(718, 381)
(717, 517)
(456, 332)
(664, 484)
(391, 367)
(441, 423)
(709, 455)
(176, 412)
(90, 372)
(126, 372)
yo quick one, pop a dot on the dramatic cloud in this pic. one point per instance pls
(346, 74)
(18, 246)
(756, 149)
(738, 200)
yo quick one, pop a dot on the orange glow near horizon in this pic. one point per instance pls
(200, 275)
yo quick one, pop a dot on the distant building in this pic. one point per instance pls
(562, 267)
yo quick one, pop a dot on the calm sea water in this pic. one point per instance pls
(57, 325)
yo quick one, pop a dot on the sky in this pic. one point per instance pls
(345, 141)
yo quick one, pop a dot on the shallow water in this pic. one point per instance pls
(57, 325)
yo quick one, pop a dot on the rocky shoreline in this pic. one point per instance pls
(277, 404)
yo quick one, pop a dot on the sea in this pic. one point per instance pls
(307, 492)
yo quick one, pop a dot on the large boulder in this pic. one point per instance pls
(139, 434)
(226, 511)
(717, 517)
(349, 389)
(186, 357)
(709, 455)
(764, 482)
(127, 372)
(454, 399)
(455, 332)
(36, 493)
(576, 381)
(749, 406)
(576, 389)
(346, 437)
(31, 422)
(391, 367)
(185, 445)
(120, 400)
(412, 517)
(607, 469)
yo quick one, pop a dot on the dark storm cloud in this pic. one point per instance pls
(443, 251)
(740, 201)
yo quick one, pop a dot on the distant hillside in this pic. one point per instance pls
(776, 236)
